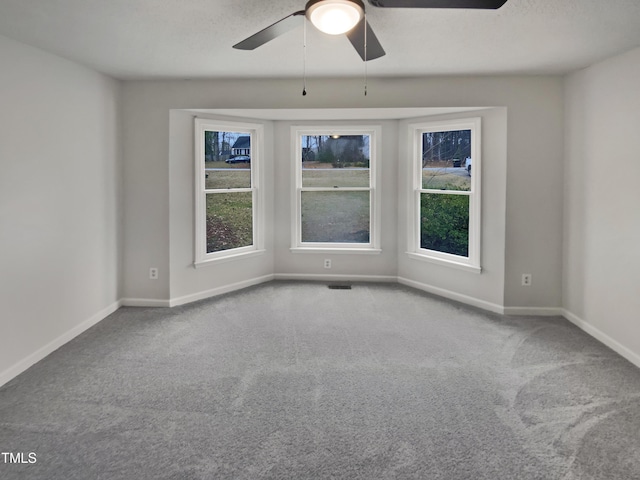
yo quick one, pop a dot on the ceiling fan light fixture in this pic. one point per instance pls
(334, 16)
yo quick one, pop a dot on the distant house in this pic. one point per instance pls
(242, 146)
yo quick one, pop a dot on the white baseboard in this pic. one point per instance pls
(602, 337)
(335, 278)
(458, 297)
(52, 346)
(41, 353)
(534, 311)
(144, 302)
(193, 297)
(468, 300)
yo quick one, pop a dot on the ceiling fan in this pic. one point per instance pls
(337, 17)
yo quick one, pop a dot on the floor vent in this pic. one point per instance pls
(340, 286)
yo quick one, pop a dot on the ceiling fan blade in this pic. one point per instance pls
(356, 37)
(484, 4)
(272, 31)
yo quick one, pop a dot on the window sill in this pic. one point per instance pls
(445, 263)
(338, 250)
(228, 258)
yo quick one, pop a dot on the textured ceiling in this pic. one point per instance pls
(145, 39)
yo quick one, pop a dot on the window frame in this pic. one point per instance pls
(472, 262)
(256, 132)
(375, 135)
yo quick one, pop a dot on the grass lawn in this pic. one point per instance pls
(223, 164)
(229, 221)
(341, 217)
(440, 180)
(333, 216)
(335, 177)
(234, 175)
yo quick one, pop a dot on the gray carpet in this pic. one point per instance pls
(296, 381)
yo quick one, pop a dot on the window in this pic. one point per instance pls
(336, 205)
(228, 204)
(446, 193)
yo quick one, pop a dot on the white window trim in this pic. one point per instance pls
(414, 251)
(375, 145)
(201, 257)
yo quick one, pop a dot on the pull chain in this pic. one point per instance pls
(365, 53)
(304, 59)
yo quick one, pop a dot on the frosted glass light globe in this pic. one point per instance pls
(335, 16)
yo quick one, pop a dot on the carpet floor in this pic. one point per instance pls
(292, 380)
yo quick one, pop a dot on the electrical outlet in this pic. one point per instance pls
(153, 273)
(327, 263)
(526, 279)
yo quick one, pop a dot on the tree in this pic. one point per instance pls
(445, 146)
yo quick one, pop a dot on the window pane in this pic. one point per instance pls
(341, 217)
(335, 161)
(444, 223)
(227, 158)
(229, 221)
(444, 160)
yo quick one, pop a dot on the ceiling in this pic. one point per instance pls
(331, 114)
(192, 39)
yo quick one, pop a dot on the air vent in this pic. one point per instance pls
(340, 286)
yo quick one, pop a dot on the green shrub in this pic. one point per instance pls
(444, 223)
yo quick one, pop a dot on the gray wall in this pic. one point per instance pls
(186, 282)
(485, 290)
(60, 180)
(301, 265)
(81, 222)
(601, 282)
(531, 186)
